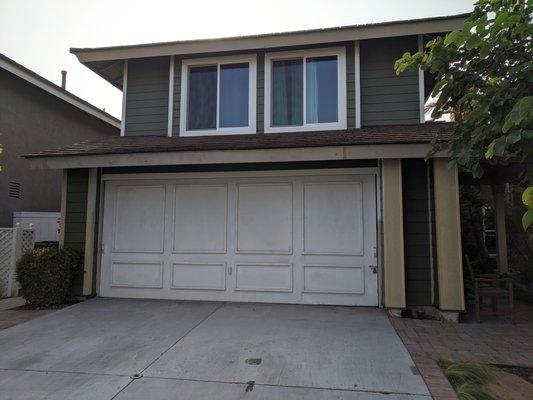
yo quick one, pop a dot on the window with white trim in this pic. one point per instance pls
(305, 90)
(218, 96)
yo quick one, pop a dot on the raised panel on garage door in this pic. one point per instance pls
(333, 218)
(139, 219)
(200, 218)
(264, 218)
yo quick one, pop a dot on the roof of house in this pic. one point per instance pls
(28, 75)
(382, 135)
(107, 61)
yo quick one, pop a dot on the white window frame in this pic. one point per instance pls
(252, 94)
(340, 52)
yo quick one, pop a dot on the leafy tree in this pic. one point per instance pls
(484, 77)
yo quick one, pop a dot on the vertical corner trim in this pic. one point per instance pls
(448, 236)
(393, 240)
(357, 79)
(170, 96)
(421, 89)
(124, 94)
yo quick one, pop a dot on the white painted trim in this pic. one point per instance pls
(348, 33)
(340, 52)
(170, 96)
(357, 79)
(421, 90)
(242, 174)
(58, 92)
(124, 97)
(88, 259)
(236, 156)
(252, 94)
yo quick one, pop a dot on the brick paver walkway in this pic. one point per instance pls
(12, 313)
(493, 341)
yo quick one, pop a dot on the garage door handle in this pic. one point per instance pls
(373, 268)
(230, 270)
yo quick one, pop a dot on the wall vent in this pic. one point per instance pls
(14, 190)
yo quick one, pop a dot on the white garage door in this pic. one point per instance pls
(307, 237)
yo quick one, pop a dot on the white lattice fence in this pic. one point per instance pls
(14, 242)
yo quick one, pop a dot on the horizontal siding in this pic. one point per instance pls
(350, 85)
(147, 97)
(387, 98)
(417, 242)
(76, 209)
(260, 108)
(177, 97)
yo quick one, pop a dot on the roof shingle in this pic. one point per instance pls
(380, 135)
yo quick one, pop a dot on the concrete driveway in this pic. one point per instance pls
(140, 349)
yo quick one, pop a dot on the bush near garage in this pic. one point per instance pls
(46, 275)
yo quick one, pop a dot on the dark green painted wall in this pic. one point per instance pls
(350, 85)
(260, 110)
(147, 97)
(176, 97)
(417, 238)
(387, 98)
(76, 216)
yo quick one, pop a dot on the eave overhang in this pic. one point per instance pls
(108, 61)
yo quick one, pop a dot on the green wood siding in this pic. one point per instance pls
(417, 238)
(387, 98)
(350, 85)
(260, 110)
(147, 97)
(176, 97)
(75, 217)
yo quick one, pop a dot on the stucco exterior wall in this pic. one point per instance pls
(31, 120)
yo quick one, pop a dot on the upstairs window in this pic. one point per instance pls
(305, 90)
(218, 96)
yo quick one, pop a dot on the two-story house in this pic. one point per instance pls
(283, 168)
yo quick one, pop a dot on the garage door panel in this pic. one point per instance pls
(198, 276)
(333, 218)
(269, 236)
(200, 218)
(137, 274)
(264, 218)
(347, 279)
(139, 219)
(264, 277)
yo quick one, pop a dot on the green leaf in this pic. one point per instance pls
(501, 18)
(527, 134)
(513, 137)
(525, 107)
(527, 219)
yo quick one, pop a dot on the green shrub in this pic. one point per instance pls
(46, 275)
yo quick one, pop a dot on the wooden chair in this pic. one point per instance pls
(493, 286)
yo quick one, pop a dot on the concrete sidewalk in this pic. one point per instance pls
(138, 349)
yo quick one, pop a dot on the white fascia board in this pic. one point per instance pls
(327, 153)
(60, 93)
(270, 41)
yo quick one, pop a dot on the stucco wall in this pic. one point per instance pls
(32, 120)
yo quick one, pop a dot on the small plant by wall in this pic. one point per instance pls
(469, 379)
(46, 275)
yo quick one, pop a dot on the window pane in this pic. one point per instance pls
(202, 98)
(287, 92)
(234, 82)
(321, 89)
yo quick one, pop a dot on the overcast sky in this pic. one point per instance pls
(39, 33)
